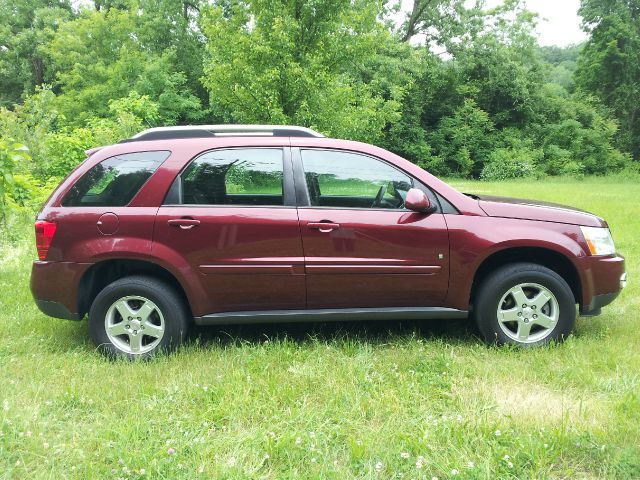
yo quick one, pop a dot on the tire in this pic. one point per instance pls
(546, 313)
(138, 317)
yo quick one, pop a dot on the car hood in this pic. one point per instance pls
(532, 210)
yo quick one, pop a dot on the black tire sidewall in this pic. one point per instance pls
(498, 283)
(165, 298)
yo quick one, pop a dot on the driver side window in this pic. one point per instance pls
(350, 180)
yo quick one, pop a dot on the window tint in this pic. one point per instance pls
(115, 181)
(342, 179)
(234, 177)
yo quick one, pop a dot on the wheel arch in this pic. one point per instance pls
(552, 259)
(102, 273)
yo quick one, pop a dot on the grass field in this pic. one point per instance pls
(365, 400)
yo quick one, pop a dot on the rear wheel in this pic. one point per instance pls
(137, 317)
(524, 304)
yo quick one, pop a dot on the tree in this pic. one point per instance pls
(463, 141)
(103, 55)
(609, 64)
(25, 26)
(301, 62)
(439, 20)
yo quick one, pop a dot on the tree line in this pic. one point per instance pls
(458, 88)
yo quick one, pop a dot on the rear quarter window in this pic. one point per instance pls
(114, 181)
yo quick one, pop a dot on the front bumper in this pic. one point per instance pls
(603, 280)
(597, 302)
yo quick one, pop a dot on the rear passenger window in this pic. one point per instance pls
(115, 181)
(234, 177)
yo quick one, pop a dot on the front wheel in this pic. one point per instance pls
(137, 317)
(524, 304)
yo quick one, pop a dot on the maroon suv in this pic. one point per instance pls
(241, 224)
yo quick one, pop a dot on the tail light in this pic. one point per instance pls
(44, 236)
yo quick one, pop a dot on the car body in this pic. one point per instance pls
(265, 254)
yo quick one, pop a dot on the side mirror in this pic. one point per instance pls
(418, 201)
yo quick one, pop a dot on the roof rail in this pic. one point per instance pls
(203, 131)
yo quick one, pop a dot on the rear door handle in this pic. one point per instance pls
(183, 223)
(324, 227)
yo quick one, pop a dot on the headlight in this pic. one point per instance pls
(599, 240)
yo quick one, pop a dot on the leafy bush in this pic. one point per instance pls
(11, 154)
(64, 151)
(506, 163)
(463, 141)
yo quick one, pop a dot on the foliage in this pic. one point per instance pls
(281, 62)
(26, 26)
(507, 163)
(463, 140)
(11, 154)
(104, 55)
(609, 64)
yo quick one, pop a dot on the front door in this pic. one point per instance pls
(362, 247)
(230, 217)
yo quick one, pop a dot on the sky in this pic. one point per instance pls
(558, 24)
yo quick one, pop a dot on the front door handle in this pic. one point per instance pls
(324, 227)
(183, 223)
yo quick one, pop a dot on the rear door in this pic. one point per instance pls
(362, 247)
(231, 214)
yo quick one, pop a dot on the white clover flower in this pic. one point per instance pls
(470, 464)
(232, 461)
(298, 440)
(510, 465)
(498, 433)
(313, 460)
(506, 457)
(454, 472)
(142, 471)
(378, 466)
(405, 455)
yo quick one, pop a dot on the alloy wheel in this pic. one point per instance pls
(134, 324)
(528, 312)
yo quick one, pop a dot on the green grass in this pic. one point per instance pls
(365, 400)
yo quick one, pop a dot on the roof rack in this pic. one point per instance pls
(204, 131)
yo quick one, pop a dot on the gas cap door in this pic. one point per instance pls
(108, 223)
